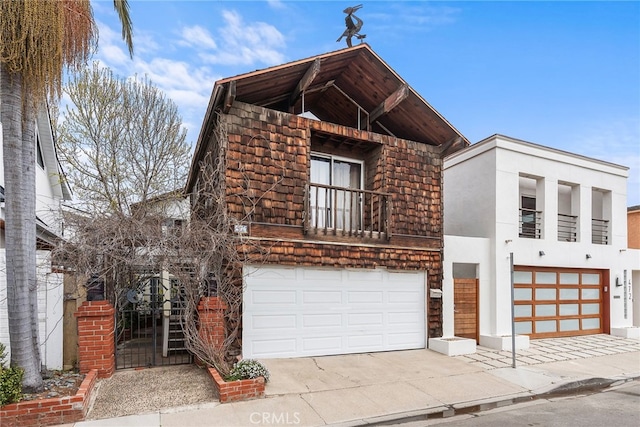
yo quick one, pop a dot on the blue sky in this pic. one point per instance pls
(563, 74)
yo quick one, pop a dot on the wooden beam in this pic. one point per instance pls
(229, 97)
(448, 146)
(390, 103)
(305, 81)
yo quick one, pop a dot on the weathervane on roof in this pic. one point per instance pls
(353, 29)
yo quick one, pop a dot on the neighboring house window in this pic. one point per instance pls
(174, 226)
(529, 218)
(40, 158)
(335, 199)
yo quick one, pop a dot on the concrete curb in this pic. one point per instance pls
(586, 386)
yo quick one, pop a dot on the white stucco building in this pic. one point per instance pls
(51, 190)
(563, 217)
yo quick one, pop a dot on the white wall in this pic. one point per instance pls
(470, 197)
(467, 250)
(50, 310)
(469, 187)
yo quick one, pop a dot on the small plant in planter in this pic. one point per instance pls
(247, 369)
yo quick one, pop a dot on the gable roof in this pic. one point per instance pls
(353, 87)
(57, 178)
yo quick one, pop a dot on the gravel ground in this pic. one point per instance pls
(141, 391)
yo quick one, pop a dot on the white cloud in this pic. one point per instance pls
(189, 84)
(276, 4)
(111, 48)
(246, 44)
(198, 37)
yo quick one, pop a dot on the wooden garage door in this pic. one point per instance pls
(558, 302)
(301, 311)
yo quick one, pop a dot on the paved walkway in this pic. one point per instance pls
(368, 389)
(553, 350)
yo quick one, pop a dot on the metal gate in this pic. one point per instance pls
(148, 324)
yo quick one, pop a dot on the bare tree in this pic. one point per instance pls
(122, 139)
(38, 41)
(206, 255)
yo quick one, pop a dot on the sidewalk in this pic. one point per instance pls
(371, 388)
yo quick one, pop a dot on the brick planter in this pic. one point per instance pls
(52, 411)
(234, 391)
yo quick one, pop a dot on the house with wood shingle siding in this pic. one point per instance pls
(333, 164)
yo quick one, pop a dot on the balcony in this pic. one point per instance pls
(530, 224)
(567, 228)
(347, 212)
(599, 231)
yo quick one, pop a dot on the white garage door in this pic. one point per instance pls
(295, 311)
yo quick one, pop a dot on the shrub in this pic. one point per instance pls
(10, 381)
(248, 369)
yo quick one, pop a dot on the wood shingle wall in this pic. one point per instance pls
(268, 155)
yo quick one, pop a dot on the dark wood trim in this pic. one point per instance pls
(451, 146)
(229, 97)
(390, 103)
(305, 81)
(294, 232)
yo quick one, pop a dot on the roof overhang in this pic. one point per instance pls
(352, 87)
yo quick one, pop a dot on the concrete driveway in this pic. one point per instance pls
(347, 387)
(363, 389)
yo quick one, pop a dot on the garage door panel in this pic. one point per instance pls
(569, 325)
(399, 339)
(591, 323)
(365, 297)
(335, 311)
(405, 318)
(273, 347)
(273, 322)
(364, 275)
(399, 296)
(324, 344)
(365, 342)
(321, 320)
(317, 275)
(258, 274)
(281, 297)
(366, 319)
(321, 297)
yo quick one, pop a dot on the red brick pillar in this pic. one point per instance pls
(96, 343)
(212, 326)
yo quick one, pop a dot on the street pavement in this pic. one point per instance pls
(405, 386)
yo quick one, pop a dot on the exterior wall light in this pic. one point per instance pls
(541, 253)
(588, 256)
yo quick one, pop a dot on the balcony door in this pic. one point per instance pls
(336, 206)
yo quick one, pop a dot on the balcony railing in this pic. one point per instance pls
(530, 223)
(340, 211)
(599, 231)
(567, 228)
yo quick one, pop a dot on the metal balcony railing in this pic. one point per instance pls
(530, 224)
(340, 211)
(599, 231)
(567, 228)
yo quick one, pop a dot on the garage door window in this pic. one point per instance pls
(553, 302)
